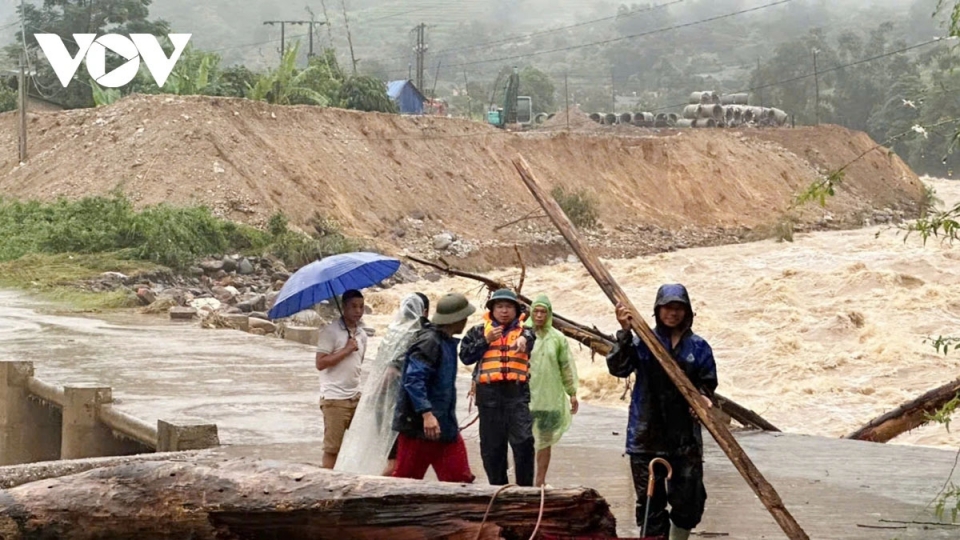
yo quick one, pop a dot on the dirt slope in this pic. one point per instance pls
(400, 180)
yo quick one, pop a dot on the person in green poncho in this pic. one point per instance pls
(553, 384)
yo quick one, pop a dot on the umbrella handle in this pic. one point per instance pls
(340, 310)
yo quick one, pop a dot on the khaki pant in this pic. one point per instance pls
(337, 415)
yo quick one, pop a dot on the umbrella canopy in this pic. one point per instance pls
(329, 277)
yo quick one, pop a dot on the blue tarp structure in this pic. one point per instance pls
(406, 96)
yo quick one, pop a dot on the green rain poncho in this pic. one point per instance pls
(553, 380)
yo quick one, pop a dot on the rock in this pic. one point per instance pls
(245, 268)
(253, 302)
(370, 332)
(229, 265)
(220, 275)
(114, 277)
(307, 317)
(442, 241)
(280, 275)
(234, 310)
(182, 313)
(205, 304)
(211, 267)
(572, 259)
(223, 294)
(418, 215)
(260, 315)
(194, 271)
(432, 277)
(146, 296)
(270, 298)
(399, 233)
(367, 310)
(260, 324)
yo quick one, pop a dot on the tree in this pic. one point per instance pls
(364, 93)
(68, 17)
(539, 86)
(286, 85)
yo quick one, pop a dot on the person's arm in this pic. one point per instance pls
(418, 372)
(473, 346)
(568, 373)
(327, 357)
(622, 360)
(705, 376)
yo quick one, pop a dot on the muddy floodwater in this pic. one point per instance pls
(818, 335)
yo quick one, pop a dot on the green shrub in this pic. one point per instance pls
(579, 206)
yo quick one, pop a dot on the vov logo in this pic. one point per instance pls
(93, 50)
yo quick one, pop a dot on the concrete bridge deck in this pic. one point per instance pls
(262, 394)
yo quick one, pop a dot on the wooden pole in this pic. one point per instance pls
(767, 494)
(908, 416)
(23, 107)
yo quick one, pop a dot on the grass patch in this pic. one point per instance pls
(54, 277)
(50, 248)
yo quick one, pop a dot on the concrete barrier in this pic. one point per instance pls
(43, 422)
(302, 334)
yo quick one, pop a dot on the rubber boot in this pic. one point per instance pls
(676, 533)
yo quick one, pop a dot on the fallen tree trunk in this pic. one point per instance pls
(257, 499)
(602, 344)
(910, 415)
(17, 475)
(761, 487)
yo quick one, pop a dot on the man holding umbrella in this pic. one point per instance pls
(342, 344)
(340, 351)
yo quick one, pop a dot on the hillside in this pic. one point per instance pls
(399, 181)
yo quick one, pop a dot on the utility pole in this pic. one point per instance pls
(421, 50)
(759, 82)
(283, 33)
(466, 83)
(566, 99)
(346, 23)
(816, 79)
(23, 106)
(613, 93)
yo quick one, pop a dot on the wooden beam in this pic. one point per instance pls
(767, 494)
(267, 500)
(910, 415)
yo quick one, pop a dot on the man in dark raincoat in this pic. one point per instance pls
(661, 421)
(426, 417)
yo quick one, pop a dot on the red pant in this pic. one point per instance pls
(449, 460)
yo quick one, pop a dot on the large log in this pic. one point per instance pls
(910, 415)
(257, 499)
(767, 494)
(602, 344)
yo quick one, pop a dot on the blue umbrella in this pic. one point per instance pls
(329, 277)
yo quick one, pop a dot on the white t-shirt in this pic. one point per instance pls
(341, 381)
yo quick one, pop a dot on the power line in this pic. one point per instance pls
(560, 28)
(624, 38)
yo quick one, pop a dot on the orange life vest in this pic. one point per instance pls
(504, 361)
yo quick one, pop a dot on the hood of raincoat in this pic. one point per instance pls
(541, 300)
(673, 292)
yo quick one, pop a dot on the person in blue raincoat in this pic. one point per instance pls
(661, 422)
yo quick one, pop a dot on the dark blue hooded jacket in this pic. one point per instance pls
(660, 419)
(429, 384)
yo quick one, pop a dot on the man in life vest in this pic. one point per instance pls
(500, 348)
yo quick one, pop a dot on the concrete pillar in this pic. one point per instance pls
(83, 434)
(29, 430)
(175, 437)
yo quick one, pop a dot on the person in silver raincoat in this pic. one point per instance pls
(369, 446)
